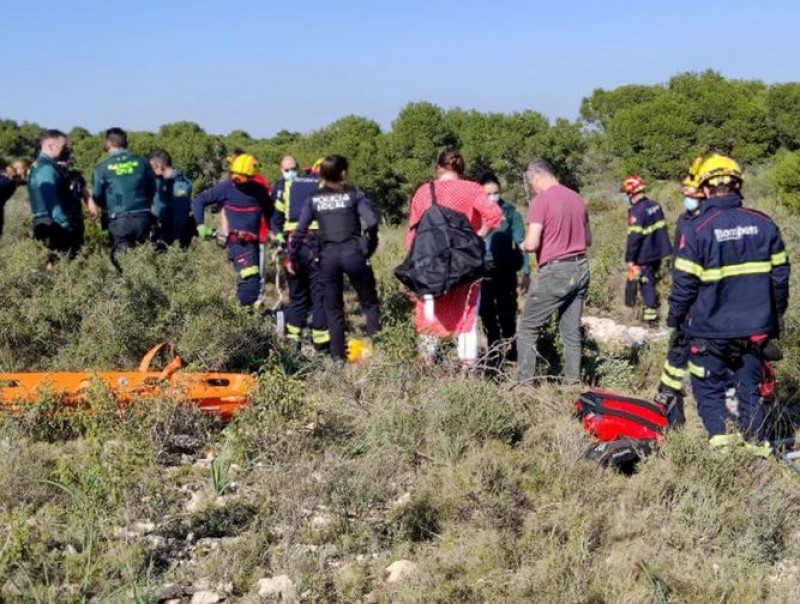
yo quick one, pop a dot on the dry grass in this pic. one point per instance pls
(331, 475)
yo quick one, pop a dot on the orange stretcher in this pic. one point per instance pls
(221, 394)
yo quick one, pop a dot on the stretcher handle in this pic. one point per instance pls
(170, 368)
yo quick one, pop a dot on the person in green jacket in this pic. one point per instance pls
(55, 222)
(123, 186)
(504, 259)
(173, 201)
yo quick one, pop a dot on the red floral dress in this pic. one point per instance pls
(456, 311)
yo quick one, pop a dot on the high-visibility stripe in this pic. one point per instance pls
(696, 370)
(291, 226)
(725, 440)
(687, 266)
(677, 372)
(709, 275)
(293, 332)
(319, 336)
(648, 229)
(735, 270)
(280, 206)
(649, 314)
(671, 382)
(779, 258)
(250, 271)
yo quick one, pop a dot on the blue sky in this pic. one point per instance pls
(266, 66)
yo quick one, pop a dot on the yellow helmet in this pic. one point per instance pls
(689, 186)
(244, 165)
(317, 165)
(718, 170)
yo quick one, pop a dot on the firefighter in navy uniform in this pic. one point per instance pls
(339, 210)
(244, 202)
(306, 290)
(670, 388)
(647, 245)
(729, 293)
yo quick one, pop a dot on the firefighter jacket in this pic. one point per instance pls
(731, 273)
(648, 239)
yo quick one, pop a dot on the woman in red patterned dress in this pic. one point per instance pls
(454, 313)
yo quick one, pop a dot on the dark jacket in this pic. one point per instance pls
(503, 243)
(289, 198)
(123, 184)
(244, 204)
(339, 214)
(49, 194)
(172, 204)
(681, 226)
(731, 273)
(648, 239)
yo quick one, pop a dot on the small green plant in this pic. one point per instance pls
(220, 479)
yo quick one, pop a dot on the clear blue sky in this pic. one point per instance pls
(265, 66)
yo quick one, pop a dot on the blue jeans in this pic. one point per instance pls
(560, 288)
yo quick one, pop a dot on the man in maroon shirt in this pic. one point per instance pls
(558, 233)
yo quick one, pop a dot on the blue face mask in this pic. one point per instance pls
(289, 175)
(691, 204)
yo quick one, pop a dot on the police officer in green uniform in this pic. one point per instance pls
(55, 223)
(173, 201)
(124, 185)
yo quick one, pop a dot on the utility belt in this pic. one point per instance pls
(241, 237)
(735, 348)
(577, 258)
(131, 213)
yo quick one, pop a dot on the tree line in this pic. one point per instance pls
(653, 130)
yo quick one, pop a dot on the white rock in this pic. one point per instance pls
(144, 527)
(400, 571)
(195, 502)
(609, 333)
(404, 499)
(280, 586)
(321, 521)
(206, 597)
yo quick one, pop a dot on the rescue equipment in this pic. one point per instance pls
(221, 394)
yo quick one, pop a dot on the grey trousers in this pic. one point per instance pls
(559, 287)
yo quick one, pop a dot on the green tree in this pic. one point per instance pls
(786, 178)
(193, 151)
(783, 112)
(418, 134)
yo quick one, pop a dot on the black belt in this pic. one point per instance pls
(560, 260)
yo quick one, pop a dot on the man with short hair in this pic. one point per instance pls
(55, 223)
(558, 233)
(124, 185)
(173, 201)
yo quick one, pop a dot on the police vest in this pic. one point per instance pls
(337, 215)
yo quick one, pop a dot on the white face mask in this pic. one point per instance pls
(289, 175)
(495, 197)
(691, 204)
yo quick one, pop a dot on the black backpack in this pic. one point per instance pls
(446, 252)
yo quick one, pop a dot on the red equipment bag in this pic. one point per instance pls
(609, 416)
